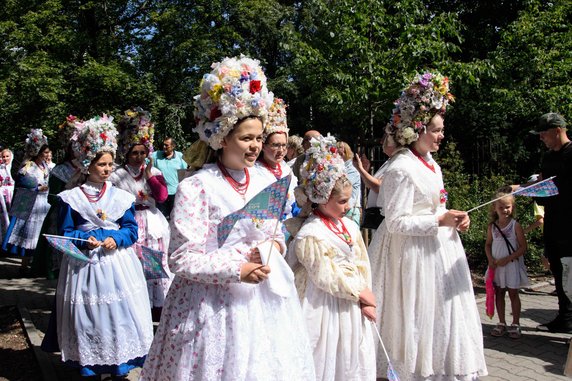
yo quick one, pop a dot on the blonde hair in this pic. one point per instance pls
(348, 153)
(504, 192)
(341, 183)
(295, 142)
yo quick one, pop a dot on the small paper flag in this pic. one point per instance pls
(268, 204)
(66, 246)
(544, 188)
(391, 373)
(152, 263)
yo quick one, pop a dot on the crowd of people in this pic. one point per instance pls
(295, 295)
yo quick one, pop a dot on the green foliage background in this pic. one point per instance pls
(338, 64)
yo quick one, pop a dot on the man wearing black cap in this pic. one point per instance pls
(558, 211)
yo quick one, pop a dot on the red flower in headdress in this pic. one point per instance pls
(215, 113)
(255, 86)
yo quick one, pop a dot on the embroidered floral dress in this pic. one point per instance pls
(153, 226)
(427, 312)
(214, 327)
(103, 314)
(340, 336)
(24, 229)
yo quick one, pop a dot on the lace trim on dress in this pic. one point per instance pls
(114, 203)
(105, 351)
(111, 297)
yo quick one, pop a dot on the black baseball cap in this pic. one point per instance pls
(548, 121)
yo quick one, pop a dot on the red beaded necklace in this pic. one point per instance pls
(95, 197)
(276, 171)
(240, 188)
(430, 166)
(343, 234)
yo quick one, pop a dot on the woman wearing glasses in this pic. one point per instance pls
(271, 161)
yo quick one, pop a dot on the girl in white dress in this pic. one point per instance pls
(505, 248)
(337, 301)
(103, 314)
(139, 177)
(427, 312)
(223, 319)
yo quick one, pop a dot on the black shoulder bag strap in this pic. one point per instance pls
(508, 244)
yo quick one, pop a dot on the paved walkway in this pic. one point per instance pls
(535, 357)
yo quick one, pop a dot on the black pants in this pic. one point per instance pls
(167, 206)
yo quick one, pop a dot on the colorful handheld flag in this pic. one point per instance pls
(391, 373)
(268, 204)
(490, 293)
(151, 260)
(544, 188)
(66, 246)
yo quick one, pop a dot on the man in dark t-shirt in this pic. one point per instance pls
(557, 211)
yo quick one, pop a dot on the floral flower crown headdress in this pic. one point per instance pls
(235, 89)
(427, 95)
(322, 167)
(34, 141)
(276, 122)
(67, 128)
(97, 134)
(136, 128)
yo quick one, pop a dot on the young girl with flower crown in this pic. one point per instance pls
(337, 301)
(223, 317)
(103, 315)
(505, 248)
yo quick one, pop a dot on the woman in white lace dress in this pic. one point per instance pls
(225, 317)
(103, 314)
(427, 312)
(139, 177)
